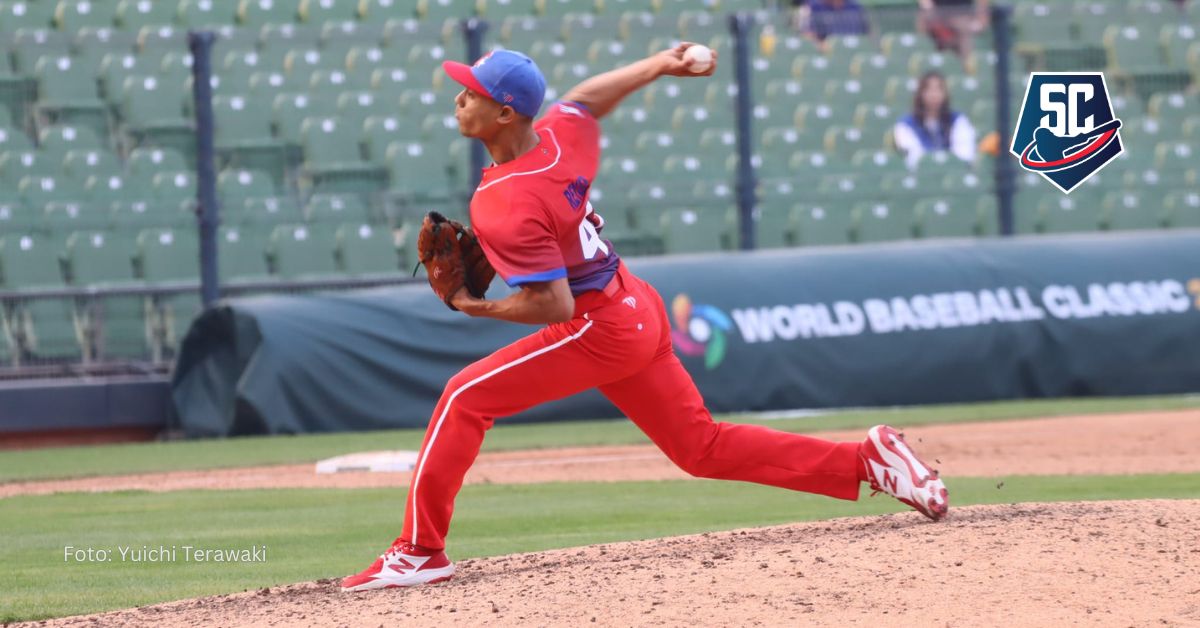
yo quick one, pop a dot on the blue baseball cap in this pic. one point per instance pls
(507, 77)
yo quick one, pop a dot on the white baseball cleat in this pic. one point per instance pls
(893, 468)
(402, 565)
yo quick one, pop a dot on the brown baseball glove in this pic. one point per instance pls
(439, 250)
(479, 271)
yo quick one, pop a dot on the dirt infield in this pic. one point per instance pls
(1103, 564)
(1162, 442)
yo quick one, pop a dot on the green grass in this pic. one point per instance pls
(233, 452)
(313, 534)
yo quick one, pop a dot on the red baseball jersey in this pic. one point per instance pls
(532, 214)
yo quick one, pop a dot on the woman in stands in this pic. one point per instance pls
(933, 125)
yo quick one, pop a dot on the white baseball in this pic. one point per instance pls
(700, 56)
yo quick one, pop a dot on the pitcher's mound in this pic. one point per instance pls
(1102, 563)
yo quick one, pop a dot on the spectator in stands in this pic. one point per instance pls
(952, 25)
(933, 126)
(819, 19)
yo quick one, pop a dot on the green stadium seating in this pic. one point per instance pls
(322, 11)
(37, 328)
(29, 14)
(13, 139)
(364, 249)
(153, 114)
(773, 229)
(292, 109)
(132, 216)
(132, 15)
(236, 185)
(67, 93)
(174, 187)
(167, 255)
(817, 224)
(244, 138)
(241, 255)
(882, 221)
(205, 13)
(111, 327)
(1182, 208)
(1057, 214)
(257, 13)
(439, 10)
(949, 217)
(300, 251)
(337, 208)
(263, 210)
(1131, 49)
(412, 174)
(692, 230)
(102, 190)
(1130, 210)
(334, 161)
(91, 44)
(16, 217)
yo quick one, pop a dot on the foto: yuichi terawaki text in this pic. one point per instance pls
(164, 554)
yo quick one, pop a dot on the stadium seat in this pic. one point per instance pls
(327, 11)
(174, 188)
(265, 210)
(167, 255)
(153, 114)
(300, 251)
(688, 230)
(1130, 49)
(236, 185)
(1058, 214)
(16, 217)
(292, 109)
(364, 249)
(67, 93)
(243, 136)
(333, 159)
(241, 255)
(38, 328)
(111, 327)
(413, 174)
(773, 229)
(336, 208)
(257, 13)
(1182, 208)
(1130, 210)
(132, 15)
(818, 225)
(882, 221)
(26, 15)
(948, 217)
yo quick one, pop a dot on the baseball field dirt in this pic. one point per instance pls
(1159, 442)
(1133, 563)
(1120, 563)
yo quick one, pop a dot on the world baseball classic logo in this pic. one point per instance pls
(1067, 130)
(700, 330)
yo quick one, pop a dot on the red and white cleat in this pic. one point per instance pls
(893, 468)
(402, 565)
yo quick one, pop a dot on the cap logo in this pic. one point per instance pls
(508, 97)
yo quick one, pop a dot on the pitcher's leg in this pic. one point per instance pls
(555, 362)
(664, 402)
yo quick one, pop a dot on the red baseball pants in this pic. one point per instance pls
(620, 342)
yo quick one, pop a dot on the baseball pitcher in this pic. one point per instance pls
(601, 326)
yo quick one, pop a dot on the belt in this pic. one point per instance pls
(613, 286)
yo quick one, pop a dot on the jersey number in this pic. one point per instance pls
(590, 240)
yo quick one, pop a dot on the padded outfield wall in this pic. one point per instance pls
(911, 323)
